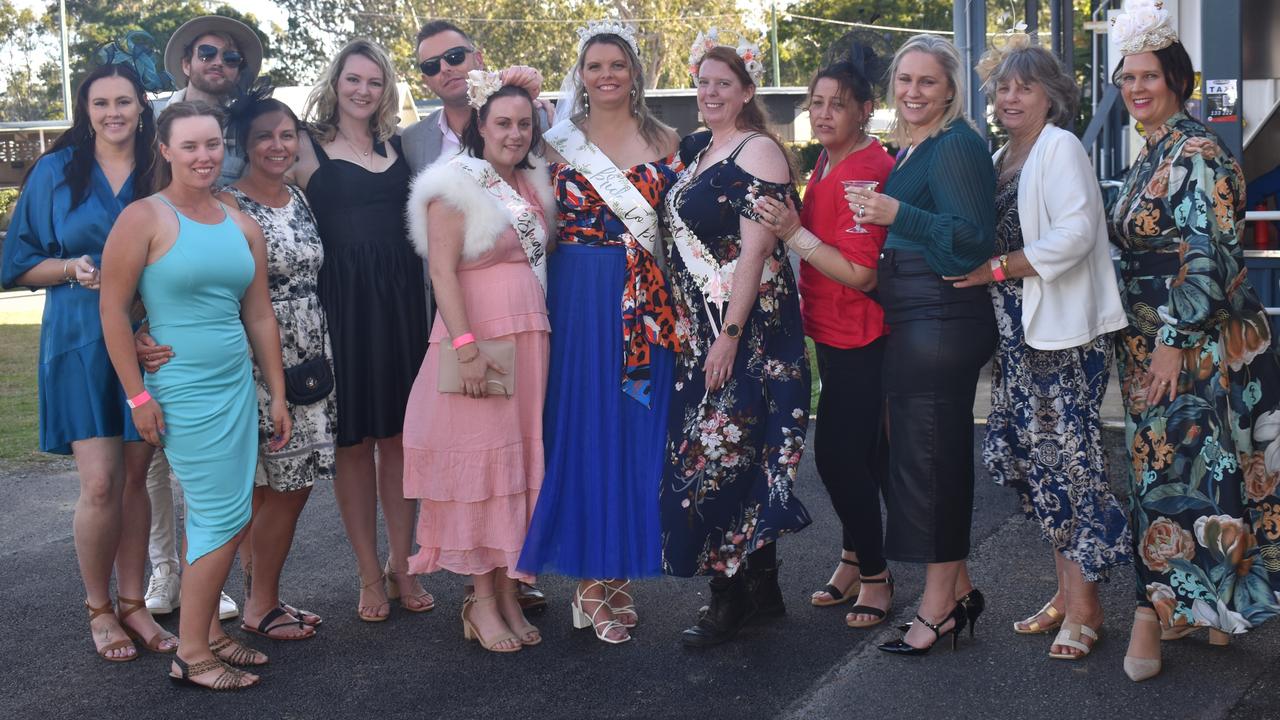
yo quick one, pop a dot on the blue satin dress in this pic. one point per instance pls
(206, 391)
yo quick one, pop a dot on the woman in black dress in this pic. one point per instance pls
(371, 287)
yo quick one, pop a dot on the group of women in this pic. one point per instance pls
(615, 385)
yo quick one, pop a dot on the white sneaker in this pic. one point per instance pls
(164, 592)
(227, 607)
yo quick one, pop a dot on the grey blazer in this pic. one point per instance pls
(421, 144)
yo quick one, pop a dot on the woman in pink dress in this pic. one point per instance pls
(474, 456)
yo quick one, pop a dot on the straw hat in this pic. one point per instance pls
(246, 40)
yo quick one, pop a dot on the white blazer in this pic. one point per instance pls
(1075, 298)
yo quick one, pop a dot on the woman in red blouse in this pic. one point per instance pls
(837, 280)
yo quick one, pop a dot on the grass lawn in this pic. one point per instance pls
(19, 353)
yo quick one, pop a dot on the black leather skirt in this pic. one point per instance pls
(940, 337)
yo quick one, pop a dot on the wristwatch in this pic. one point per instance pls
(733, 330)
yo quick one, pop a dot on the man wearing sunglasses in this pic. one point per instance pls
(210, 58)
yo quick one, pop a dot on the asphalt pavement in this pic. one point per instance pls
(806, 665)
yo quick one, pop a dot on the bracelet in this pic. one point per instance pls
(70, 279)
(463, 339)
(997, 270)
(140, 399)
(1004, 265)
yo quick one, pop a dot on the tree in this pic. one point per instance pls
(30, 80)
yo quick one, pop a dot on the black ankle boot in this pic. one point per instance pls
(729, 610)
(765, 595)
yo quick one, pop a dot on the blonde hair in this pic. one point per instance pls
(322, 104)
(949, 58)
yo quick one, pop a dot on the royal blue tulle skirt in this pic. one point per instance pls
(597, 513)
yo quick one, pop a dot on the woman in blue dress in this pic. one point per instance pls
(613, 332)
(68, 203)
(200, 268)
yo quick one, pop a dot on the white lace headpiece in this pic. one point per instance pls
(608, 27)
(1144, 26)
(480, 85)
(748, 51)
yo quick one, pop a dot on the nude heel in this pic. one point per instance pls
(1219, 638)
(1139, 669)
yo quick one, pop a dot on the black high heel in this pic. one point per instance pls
(902, 647)
(974, 603)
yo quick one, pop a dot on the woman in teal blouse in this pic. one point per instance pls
(939, 206)
(69, 201)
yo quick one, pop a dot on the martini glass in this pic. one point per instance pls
(857, 218)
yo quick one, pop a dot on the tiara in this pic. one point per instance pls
(480, 85)
(607, 27)
(1144, 26)
(748, 51)
(1002, 45)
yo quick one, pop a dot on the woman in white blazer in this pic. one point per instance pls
(1056, 303)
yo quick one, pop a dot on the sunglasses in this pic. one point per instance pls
(230, 58)
(454, 56)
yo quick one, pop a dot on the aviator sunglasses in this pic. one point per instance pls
(230, 58)
(454, 56)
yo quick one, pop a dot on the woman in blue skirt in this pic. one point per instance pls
(613, 333)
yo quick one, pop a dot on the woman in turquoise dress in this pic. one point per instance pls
(200, 268)
(1199, 376)
(67, 205)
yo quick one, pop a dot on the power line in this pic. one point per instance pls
(564, 21)
(869, 26)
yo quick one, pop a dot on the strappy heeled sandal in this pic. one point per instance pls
(1031, 626)
(628, 609)
(528, 633)
(601, 628)
(469, 631)
(155, 643)
(1138, 668)
(422, 603)
(1071, 635)
(836, 596)
(875, 612)
(268, 623)
(233, 652)
(371, 617)
(229, 679)
(118, 644)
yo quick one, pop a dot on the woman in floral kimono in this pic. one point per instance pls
(741, 401)
(1199, 378)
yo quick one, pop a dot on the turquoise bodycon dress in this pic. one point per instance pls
(192, 294)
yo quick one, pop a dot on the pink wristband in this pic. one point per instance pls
(463, 339)
(141, 398)
(997, 271)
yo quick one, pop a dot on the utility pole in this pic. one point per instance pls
(66, 65)
(773, 43)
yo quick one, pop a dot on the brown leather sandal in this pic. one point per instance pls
(229, 679)
(155, 644)
(118, 644)
(233, 652)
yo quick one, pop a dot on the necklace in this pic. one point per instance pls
(361, 155)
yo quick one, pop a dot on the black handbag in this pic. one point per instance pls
(308, 382)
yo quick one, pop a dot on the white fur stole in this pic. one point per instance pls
(486, 218)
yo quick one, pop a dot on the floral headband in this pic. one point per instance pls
(607, 27)
(481, 84)
(1002, 45)
(749, 52)
(1144, 26)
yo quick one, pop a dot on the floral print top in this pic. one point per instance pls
(585, 218)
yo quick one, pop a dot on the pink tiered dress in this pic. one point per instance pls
(477, 464)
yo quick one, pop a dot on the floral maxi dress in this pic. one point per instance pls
(1205, 514)
(733, 454)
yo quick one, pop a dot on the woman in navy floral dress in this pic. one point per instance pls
(738, 418)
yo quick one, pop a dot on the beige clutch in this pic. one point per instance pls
(502, 352)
